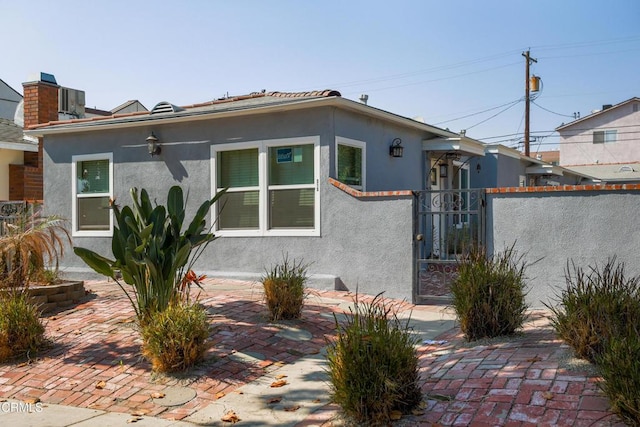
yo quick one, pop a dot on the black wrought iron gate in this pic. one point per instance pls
(446, 224)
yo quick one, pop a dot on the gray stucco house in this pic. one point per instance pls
(312, 175)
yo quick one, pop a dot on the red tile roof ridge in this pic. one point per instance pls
(276, 94)
(311, 94)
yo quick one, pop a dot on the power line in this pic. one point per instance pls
(489, 118)
(552, 112)
(479, 112)
(437, 80)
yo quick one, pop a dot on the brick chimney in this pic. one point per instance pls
(40, 106)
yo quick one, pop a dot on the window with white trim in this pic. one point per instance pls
(272, 187)
(92, 187)
(350, 162)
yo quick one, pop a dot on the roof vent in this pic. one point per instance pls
(626, 169)
(607, 106)
(165, 107)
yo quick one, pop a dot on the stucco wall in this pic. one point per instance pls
(576, 142)
(585, 226)
(384, 172)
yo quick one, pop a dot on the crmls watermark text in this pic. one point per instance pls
(6, 407)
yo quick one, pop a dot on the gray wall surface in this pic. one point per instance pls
(586, 227)
(364, 244)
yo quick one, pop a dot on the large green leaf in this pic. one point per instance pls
(145, 204)
(175, 203)
(98, 263)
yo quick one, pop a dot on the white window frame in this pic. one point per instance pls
(357, 144)
(263, 187)
(74, 192)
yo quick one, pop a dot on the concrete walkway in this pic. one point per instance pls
(520, 381)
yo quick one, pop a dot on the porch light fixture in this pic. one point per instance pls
(443, 170)
(152, 145)
(478, 168)
(396, 150)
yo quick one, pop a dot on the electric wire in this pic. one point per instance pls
(479, 112)
(552, 112)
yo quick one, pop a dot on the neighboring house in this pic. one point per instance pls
(9, 100)
(312, 175)
(125, 108)
(13, 145)
(550, 156)
(21, 157)
(507, 167)
(132, 106)
(604, 144)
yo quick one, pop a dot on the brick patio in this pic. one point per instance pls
(512, 382)
(520, 381)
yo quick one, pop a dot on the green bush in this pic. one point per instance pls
(284, 289)
(489, 293)
(151, 250)
(595, 306)
(21, 331)
(175, 338)
(373, 366)
(620, 369)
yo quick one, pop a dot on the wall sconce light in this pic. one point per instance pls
(478, 168)
(443, 170)
(396, 150)
(152, 145)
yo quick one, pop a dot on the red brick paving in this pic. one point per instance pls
(507, 383)
(510, 382)
(97, 341)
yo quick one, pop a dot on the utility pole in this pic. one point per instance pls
(529, 60)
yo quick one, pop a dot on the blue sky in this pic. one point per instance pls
(439, 60)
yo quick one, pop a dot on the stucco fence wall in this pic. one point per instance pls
(365, 245)
(553, 225)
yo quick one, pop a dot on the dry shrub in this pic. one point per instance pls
(373, 366)
(620, 369)
(596, 304)
(21, 331)
(284, 289)
(175, 338)
(489, 293)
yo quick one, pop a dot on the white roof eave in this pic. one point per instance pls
(462, 145)
(544, 170)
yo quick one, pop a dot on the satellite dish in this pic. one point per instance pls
(18, 117)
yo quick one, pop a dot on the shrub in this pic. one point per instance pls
(28, 245)
(620, 369)
(373, 367)
(489, 293)
(284, 289)
(595, 306)
(152, 251)
(175, 338)
(21, 331)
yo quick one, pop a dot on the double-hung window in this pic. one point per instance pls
(272, 187)
(92, 186)
(350, 162)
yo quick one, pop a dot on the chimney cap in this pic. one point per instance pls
(43, 77)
